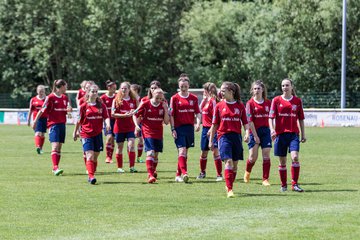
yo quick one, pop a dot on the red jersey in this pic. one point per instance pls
(144, 99)
(82, 101)
(108, 103)
(124, 125)
(81, 93)
(152, 120)
(36, 105)
(286, 114)
(56, 108)
(183, 109)
(91, 119)
(229, 116)
(207, 110)
(258, 112)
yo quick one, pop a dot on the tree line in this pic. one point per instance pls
(140, 41)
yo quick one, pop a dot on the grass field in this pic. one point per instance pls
(37, 205)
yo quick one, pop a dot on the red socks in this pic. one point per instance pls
(229, 178)
(139, 149)
(119, 160)
(218, 165)
(266, 168)
(203, 162)
(90, 167)
(150, 165)
(131, 159)
(295, 171)
(249, 165)
(283, 175)
(55, 158)
(109, 150)
(182, 164)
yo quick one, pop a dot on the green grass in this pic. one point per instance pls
(37, 205)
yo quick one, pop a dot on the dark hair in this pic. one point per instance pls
(137, 88)
(58, 84)
(235, 88)
(212, 90)
(157, 84)
(260, 83)
(184, 77)
(292, 84)
(109, 82)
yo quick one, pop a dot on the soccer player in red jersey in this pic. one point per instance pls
(257, 109)
(108, 99)
(153, 85)
(81, 93)
(229, 116)
(36, 104)
(153, 113)
(122, 110)
(183, 107)
(207, 105)
(92, 115)
(136, 88)
(57, 107)
(286, 113)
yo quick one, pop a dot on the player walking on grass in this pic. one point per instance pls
(136, 88)
(92, 115)
(229, 116)
(36, 104)
(152, 113)
(207, 105)
(108, 99)
(183, 107)
(286, 113)
(56, 106)
(257, 109)
(123, 109)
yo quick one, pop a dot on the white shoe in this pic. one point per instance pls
(178, 179)
(120, 170)
(219, 178)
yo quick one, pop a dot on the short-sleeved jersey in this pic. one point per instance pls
(230, 116)
(82, 101)
(183, 109)
(56, 108)
(36, 105)
(258, 112)
(108, 103)
(152, 120)
(81, 94)
(286, 113)
(91, 119)
(124, 125)
(144, 99)
(207, 111)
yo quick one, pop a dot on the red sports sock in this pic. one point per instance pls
(249, 165)
(54, 159)
(37, 141)
(182, 164)
(42, 140)
(266, 168)
(119, 160)
(283, 175)
(178, 171)
(140, 149)
(58, 156)
(229, 178)
(295, 171)
(112, 150)
(132, 159)
(150, 165)
(90, 167)
(109, 150)
(218, 165)
(203, 162)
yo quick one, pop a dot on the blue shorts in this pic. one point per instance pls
(120, 137)
(57, 133)
(41, 125)
(204, 141)
(230, 147)
(286, 142)
(185, 136)
(265, 138)
(111, 131)
(93, 144)
(153, 144)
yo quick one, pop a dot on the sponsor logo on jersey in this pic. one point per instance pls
(237, 111)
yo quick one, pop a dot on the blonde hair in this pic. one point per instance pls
(262, 85)
(120, 95)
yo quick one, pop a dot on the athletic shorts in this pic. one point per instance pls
(286, 142)
(230, 147)
(93, 144)
(204, 141)
(185, 136)
(57, 133)
(120, 137)
(265, 138)
(41, 125)
(111, 131)
(153, 144)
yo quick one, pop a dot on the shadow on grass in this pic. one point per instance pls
(331, 190)
(264, 195)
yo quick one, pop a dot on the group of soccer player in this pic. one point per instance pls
(124, 116)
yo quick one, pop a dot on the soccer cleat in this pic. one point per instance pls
(283, 189)
(92, 181)
(155, 174)
(296, 188)
(41, 151)
(108, 160)
(186, 178)
(139, 160)
(219, 178)
(120, 170)
(178, 179)
(133, 170)
(151, 179)
(38, 150)
(230, 194)
(246, 177)
(202, 175)
(266, 183)
(58, 172)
